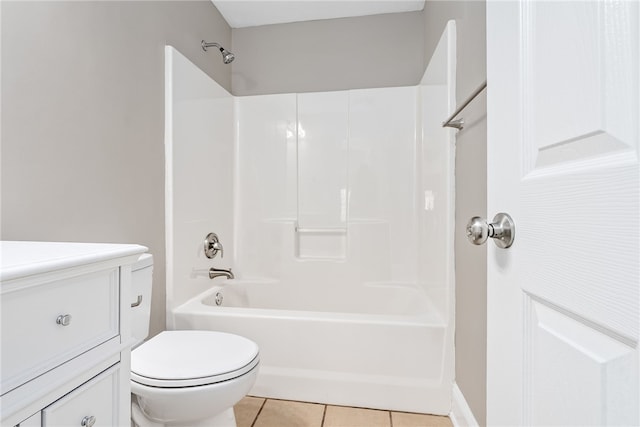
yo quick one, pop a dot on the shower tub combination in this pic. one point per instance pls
(353, 354)
(343, 276)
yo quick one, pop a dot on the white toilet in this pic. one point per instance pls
(185, 378)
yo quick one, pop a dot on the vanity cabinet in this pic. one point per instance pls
(66, 341)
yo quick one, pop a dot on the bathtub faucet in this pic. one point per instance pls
(217, 272)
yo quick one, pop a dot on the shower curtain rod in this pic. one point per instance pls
(459, 124)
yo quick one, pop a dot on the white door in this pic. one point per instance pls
(563, 126)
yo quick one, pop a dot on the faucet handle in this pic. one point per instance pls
(218, 247)
(212, 245)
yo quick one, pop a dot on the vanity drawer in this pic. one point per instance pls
(46, 324)
(95, 403)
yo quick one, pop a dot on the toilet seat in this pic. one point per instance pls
(175, 359)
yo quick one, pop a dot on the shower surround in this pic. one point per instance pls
(335, 212)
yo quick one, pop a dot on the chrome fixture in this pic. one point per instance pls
(63, 320)
(502, 229)
(459, 124)
(212, 246)
(227, 57)
(217, 272)
(88, 421)
(138, 302)
(219, 298)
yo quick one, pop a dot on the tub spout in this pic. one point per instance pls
(217, 272)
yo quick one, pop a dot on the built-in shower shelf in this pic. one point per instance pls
(309, 230)
(326, 243)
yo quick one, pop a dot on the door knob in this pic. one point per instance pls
(502, 230)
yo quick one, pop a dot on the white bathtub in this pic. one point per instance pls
(361, 353)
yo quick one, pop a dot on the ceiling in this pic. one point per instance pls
(252, 13)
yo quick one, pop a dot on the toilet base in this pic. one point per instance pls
(226, 418)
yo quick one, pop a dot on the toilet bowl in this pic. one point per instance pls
(187, 378)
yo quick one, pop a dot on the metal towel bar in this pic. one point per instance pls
(459, 124)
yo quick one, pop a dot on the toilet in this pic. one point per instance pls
(185, 378)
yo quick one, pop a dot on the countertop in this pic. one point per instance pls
(20, 258)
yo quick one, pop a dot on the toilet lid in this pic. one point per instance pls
(189, 358)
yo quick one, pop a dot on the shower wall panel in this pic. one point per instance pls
(382, 179)
(199, 144)
(323, 154)
(327, 188)
(266, 196)
(436, 194)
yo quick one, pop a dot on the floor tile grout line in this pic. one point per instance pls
(258, 414)
(326, 407)
(324, 414)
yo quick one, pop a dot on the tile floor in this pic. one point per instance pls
(260, 412)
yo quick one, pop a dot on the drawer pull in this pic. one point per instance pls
(64, 319)
(88, 421)
(138, 301)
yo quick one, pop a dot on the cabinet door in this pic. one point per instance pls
(95, 403)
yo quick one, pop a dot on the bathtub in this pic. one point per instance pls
(382, 348)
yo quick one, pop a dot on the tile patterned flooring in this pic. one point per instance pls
(260, 412)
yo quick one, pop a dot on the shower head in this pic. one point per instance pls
(227, 57)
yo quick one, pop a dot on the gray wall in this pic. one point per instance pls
(83, 118)
(333, 54)
(471, 192)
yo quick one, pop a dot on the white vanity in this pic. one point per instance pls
(66, 339)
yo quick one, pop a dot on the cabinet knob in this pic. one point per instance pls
(64, 319)
(88, 421)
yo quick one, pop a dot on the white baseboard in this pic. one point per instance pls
(461, 415)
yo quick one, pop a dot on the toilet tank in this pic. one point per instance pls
(141, 282)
